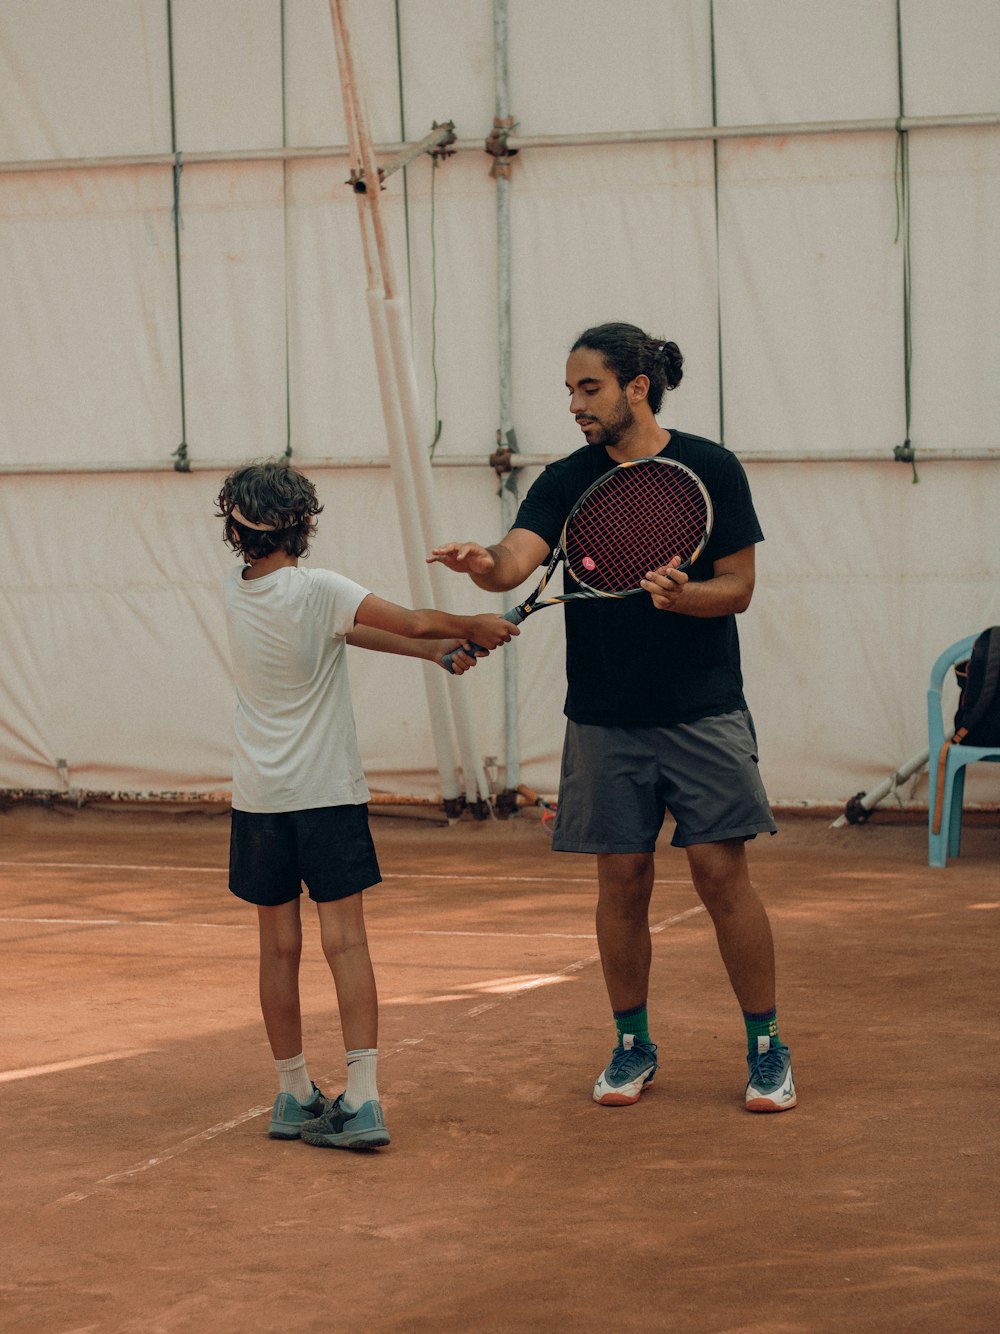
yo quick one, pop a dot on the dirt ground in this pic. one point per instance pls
(140, 1190)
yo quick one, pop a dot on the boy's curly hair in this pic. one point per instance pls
(269, 492)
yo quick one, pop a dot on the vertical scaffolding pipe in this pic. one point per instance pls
(477, 788)
(411, 467)
(506, 435)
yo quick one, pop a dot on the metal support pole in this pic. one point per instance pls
(506, 438)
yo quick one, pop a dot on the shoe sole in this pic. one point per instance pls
(284, 1132)
(766, 1105)
(364, 1139)
(618, 1098)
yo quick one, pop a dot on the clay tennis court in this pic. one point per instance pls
(142, 1193)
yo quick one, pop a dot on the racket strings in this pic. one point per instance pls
(639, 518)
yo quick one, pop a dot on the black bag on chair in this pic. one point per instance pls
(977, 719)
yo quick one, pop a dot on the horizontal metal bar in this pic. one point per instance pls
(358, 463)
(519, 141)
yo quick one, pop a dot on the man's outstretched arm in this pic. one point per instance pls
(498, 568)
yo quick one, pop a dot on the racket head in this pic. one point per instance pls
(635, 518)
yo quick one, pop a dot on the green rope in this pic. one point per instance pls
(718, 244)
(284, 215)
(905, 452)
(181, 452)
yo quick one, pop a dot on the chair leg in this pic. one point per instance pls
(939, 843)
(955, 819)
(934, 851)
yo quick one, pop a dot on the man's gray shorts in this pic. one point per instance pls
(618, 782)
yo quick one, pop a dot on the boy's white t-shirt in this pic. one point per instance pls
(296, 743)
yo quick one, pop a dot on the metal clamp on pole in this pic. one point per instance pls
(500, 459)
(497, 147)
(437, 143)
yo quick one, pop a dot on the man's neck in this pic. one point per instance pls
(642, 443)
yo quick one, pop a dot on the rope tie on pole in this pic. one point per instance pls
(497, 147)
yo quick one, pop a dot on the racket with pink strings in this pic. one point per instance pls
(635, 518)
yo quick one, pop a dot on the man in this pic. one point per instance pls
(657, 720)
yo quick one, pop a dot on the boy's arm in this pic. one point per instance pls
(498, 568)
(488, 631)
(430, 650)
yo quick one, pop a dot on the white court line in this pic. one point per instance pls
(577, 966)
(192, 1141)
(29, 1072)
(202, 1137)
(251, 926)
(386, 875)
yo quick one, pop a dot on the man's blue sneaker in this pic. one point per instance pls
(290, 1115)
(339, 1128)
(770, 1087)
(632, 1066)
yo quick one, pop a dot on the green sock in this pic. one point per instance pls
(634, 1021)
(763, 1025)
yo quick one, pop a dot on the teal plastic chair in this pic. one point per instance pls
(944, 814)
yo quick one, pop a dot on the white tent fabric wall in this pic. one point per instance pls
(114, 655)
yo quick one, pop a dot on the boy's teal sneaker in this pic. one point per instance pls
(632, 1066)
(770, 1087)
(290, 1115)
(339, 1128)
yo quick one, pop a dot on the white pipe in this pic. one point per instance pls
(868, 800)
(676, 135)
(422, 494)
(413, 546)
(507, 436)
(364, 462)
(411, 470)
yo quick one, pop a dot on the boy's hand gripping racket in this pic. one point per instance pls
(635, 518)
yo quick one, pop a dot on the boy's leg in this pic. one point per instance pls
(280, 950)
(355, 1120)
(298, 1100)
(345, 945)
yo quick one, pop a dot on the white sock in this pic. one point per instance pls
(361, 1085)
(294, 1077)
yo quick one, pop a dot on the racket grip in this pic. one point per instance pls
(516, 615)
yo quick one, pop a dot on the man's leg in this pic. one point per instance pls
(722, 878)
(624, 887)
(625, 884)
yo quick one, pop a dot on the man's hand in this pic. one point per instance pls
(464, 558)
(665, 585)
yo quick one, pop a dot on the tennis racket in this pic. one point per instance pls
(635, 518)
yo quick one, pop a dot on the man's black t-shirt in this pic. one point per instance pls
(628, 664)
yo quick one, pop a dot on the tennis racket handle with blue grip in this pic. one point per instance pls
(516, 615)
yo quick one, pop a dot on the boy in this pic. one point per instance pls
(300, 810)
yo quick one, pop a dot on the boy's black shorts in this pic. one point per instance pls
(329, 849)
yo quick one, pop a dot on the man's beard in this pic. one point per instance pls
(616, 426)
